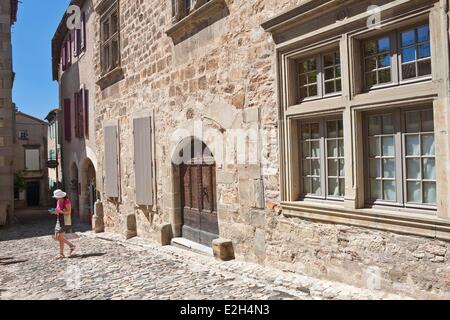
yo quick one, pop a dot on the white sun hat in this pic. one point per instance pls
(58, 194)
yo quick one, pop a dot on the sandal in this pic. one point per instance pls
(72, 249)
(61, 256)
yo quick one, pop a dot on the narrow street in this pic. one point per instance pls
(106, 267)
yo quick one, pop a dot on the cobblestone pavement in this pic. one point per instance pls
(108, 267)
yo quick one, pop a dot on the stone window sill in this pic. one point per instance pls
(196, 19)
(401, 222)
(110, 78)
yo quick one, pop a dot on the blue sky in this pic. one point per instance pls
(35, 92)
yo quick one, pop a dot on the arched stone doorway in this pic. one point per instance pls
(197, 192)
(88, 194)
(74, 189)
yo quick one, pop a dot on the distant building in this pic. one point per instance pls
(73, 68)
(8, 14)
(54, 150)
(30, 158)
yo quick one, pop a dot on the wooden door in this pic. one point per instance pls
(198, 190)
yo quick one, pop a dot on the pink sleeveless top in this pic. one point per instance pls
(64, 205)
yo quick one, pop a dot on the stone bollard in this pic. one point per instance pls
(165, 234)
(131, 226)
(97, 218)
(223, 249)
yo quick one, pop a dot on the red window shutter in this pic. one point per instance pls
(86, 113)
(77, 114)
(63, 57)
(67, 120)
(76, 48)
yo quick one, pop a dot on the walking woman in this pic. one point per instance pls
(63, 207)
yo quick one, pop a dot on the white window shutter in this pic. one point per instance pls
(111, 162)
(142, 133)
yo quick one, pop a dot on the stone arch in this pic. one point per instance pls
(88, 189)
(74, 187)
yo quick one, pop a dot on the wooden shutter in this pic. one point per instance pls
(63, 57)
(67, 120)
(86, 112)
(142, 132)
(77, 114)
(77, 38)
(111, 162)
(69, 50)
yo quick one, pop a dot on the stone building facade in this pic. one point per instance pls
(286, 104)
(54, 150)
(30, 161)
(8, 15)
(73, 68)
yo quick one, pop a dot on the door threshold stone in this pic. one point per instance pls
(184, 243)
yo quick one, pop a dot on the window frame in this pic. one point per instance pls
(324, 186)
(320, 73)
(400, 160)
(107, 16)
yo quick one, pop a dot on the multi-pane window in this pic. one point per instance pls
(23, 135)
(322, 158)
(415, 52)
(377, 61)
(110, 47)
(412, 46)
(320, 75)
(401, 158)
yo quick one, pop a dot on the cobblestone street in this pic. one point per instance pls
(107, 267)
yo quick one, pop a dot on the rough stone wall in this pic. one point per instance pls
(227, 73)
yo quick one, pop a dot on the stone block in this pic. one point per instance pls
(223, 249)
(97, 219)
(165, 234)
(251, 115)
(260, 242)
(247, 172)
(225, 177)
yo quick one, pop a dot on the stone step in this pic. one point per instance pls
(192, 246)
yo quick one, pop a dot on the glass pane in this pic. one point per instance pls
(341, 187)
(328, 59)
(332, 148)
(307, 185)
(329, 87)
(389, 192)
(315, 149)
(305, 131)
(374, 147)
(375, 189)
(424, 51)
(424, 67)
(427, 121)
(408, 54)
(315, 130)
(316, 186)
(312, 91)
(333, 170)
(374, 168)
(340, 128)
(428, 148)
(374, 125)
(333, 187)
(329, 73)
(384, 44)
(303, 79)
(413, 169)
(423, 33)
(408, 38)
(371, 64)
(341, 148)
(341, 168)
(409, 71)
(114, 23)
(308, 65)
(429, 169)
(331, 129)
(412, 121)
(338, 85)
(312, 77)
(305, 150)
(412, 145)
(388, 146)
(371, 79)
(315, 164)
(370, 47)
(384, 61)
(388, 168)
(338, 71)
(303, 92)
(306, 168)
(429, 192)
(388, 125)
(414, 192)
(384, 76)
